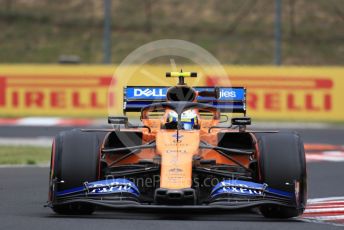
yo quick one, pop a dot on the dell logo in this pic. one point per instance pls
(148, 92)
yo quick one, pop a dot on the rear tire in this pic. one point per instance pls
(281, 161)
(75, 160)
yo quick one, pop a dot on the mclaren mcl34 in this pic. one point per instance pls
(185, 154)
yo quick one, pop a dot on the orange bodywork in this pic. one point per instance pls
(177, 151)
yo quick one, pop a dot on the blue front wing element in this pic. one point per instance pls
(246, 188)
(249, 194)
(103, 187)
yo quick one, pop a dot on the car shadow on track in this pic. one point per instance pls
(182, 215)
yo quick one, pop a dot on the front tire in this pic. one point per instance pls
(282, 164)
(75, 160)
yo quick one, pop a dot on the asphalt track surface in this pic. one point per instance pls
(23, 193)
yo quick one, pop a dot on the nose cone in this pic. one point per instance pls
(177, 150)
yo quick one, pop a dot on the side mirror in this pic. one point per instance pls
(121, 120)
(241, 121)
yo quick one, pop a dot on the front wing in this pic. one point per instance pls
(123, 194)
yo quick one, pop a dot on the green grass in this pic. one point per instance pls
(235, 32)
(24, 155)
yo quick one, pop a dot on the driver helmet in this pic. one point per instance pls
(188, 118)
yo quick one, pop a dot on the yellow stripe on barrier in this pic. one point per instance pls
(278, 93)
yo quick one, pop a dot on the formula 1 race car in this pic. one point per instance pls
(184, 154)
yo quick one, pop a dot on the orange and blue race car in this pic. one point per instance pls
(185, 154)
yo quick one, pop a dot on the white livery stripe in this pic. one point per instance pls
(337, 217)
(325, 210)
(322, 157)
(34, 121)
(325, 206)
(49, 121)
(327, 200)
(329, 210)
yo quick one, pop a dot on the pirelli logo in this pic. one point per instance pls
(56, 93)
(283, 93)
(287, 94)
